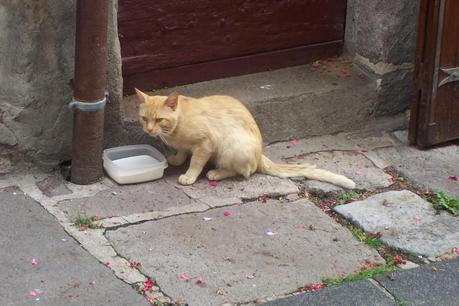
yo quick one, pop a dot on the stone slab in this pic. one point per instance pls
(53, 186)
(65, 274)
(339, 142)
(361, 293)
(233, 190)
(236, 255)
(434, 284)
(428, 169)
(406, 221)
(352, 165)
(127, 200)
(321, 189)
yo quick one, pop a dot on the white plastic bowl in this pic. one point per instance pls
(134, 164)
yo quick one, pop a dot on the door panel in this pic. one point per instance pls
(173, 36)
(435, 110)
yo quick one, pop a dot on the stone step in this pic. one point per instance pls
(322, 98)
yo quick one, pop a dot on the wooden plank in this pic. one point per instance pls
(170, 33)
(446, 106)
(156, 79)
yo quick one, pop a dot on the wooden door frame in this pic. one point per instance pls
(427, 59)
(427, 122)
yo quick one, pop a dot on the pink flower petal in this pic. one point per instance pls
(199, 281)
(107, 264)
(213, 183)
(263, 198)
(454, 178)
(147, 285)
(364, 150)
(34, 262)
(227, 213)
(83, 228)
(302, 226)
(135, 264)
(456, 250)
(417, 218)
(294, 141)
(300, 157)
(184, 277)
(316, 287)
(33, 293)
(206, 218)
(399, 260)
(357, 173)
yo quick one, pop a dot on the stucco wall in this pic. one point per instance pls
(382, 37)
(36, 70)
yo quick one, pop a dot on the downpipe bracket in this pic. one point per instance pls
(88, 106)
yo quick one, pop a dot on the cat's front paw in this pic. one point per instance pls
(186, 180)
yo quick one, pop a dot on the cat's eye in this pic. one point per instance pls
(144, 118)
(159, 120)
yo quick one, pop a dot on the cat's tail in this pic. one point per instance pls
(309, 171)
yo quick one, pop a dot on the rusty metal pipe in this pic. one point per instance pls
(89, 87)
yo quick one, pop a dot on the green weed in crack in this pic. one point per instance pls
(81, 220)
(400, 302)
(349, 197)
(441, 201)
(363, 274)
(372, 240)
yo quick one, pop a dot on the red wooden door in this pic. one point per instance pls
(172, 42)
(435, 110)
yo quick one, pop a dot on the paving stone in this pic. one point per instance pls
(53, 186)
(428, 169)
(426, 285)
(172, 211)
(361, 293)
(65, 273)
(127, 200)
(409, 265)
(321, 189)
(233, 190)
(236, 255)
(340, 142)
(406, 221)
(353, 165)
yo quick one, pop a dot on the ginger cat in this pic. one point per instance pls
(221, 130)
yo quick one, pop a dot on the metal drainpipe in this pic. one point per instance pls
(89, 91)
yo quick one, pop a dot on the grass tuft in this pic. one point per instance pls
(400, 302)
(441, 201)
(373, 242)
(364, 274)
(349, 197)
(82, 220)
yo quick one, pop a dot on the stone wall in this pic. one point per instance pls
(382, 37)
(36, 76)
(36, 71)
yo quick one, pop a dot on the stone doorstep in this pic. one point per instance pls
(239, 250)
(342, 102)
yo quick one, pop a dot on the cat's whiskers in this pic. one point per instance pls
(162, 138)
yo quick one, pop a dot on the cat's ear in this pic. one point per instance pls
(172, 100)
(141, 96)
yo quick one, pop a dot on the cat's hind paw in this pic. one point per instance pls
(186, 180)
